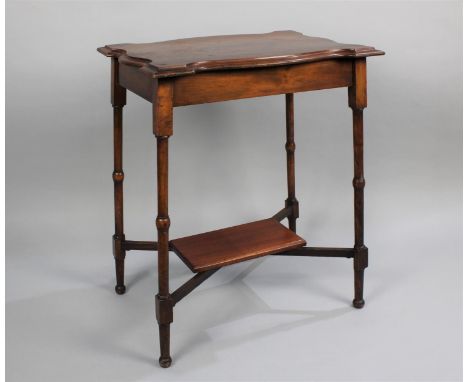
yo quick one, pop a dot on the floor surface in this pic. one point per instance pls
(269, 319)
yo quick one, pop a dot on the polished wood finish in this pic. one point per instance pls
(282, 214)
(201, 54)
(290, 146)
(163, 104)
(221, 68)
(215, 249)
(118, 100)
(190, 285)
(130, 245)
(357, 95)
(162, 128)
(237, 84)
(320, 252)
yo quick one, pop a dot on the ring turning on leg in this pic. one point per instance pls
(118, 100)
(162, 128)
(357, 97)
(290, 147)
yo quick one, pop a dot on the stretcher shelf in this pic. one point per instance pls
(215, 249)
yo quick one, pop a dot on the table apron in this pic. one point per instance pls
(225, 85)
(238, 84)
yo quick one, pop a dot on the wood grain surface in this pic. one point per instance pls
(191, 55)
(231, 245)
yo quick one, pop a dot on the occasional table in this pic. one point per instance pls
(221, 68)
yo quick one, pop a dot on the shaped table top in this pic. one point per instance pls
(192, 55)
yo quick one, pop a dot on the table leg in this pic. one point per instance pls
(118, 100)
(357, 95)
(162, 126)
(290, 146)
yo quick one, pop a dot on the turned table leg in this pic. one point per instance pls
(290, 146)
(357, 96)
(162, 127)
(118, 99)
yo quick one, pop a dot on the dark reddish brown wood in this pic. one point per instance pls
(138, 80)
(320, 252)
(193, 55)
(163, 109)
(260, 82)
(162, 127)
(282, 214)
(236, 84)
(290, 146)
(357, 95)
(165, 359)
(231, 245)
(130, 245)
(221, 68)
(118, 100)
(190, 285)
(162, 220)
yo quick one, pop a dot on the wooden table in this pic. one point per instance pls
(222, 68)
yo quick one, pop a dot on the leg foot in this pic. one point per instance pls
(358, 301)
(165, 362)
(358, 304)
(119, 270)
(120, 289)
(165, 359)
(119, 257)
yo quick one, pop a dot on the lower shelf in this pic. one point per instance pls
(231, 245)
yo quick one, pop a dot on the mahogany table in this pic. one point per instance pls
(221, 68)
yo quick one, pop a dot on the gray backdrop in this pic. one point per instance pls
(269, 319)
